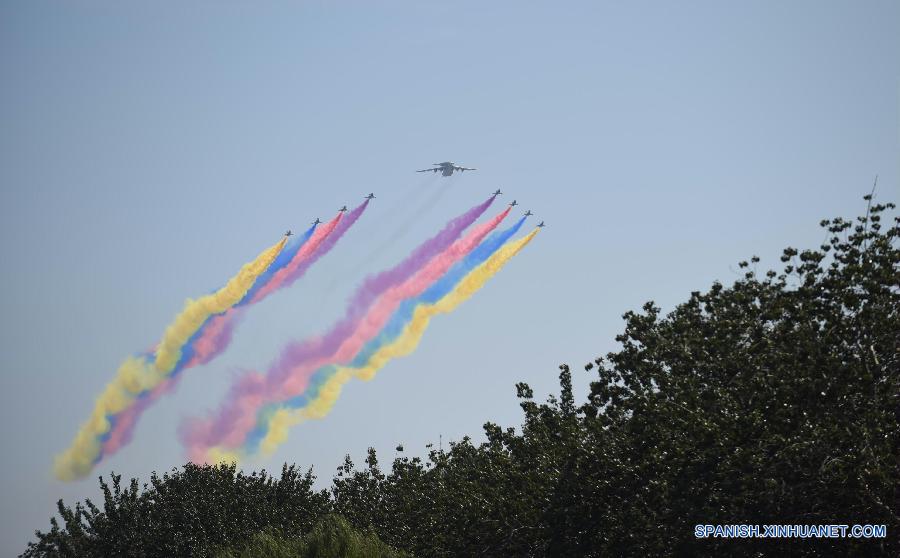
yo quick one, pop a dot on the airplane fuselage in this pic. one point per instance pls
(447, 168)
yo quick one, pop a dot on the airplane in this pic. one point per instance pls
(343, 209)
(288, 233)
(498, 192)
(316, 222)
(446, 168)
(514, 203)
(541, 225)
(528, 213)
(370, 197)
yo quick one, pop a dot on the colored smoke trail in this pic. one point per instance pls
(321, 397)
(220, 330)
(426, 263)
(328, 243)
(216, 333)
(253, 386)
(284, 258)
(372, 288)
(294, 269)
(123, 424)
(196, 312)
(138, 375)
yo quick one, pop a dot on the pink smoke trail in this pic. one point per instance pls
(290, 374)
(292, 271)
(122, 430)
(217, 333)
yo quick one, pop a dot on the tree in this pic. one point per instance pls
(331, 537)
(775, 400)
(187, 512)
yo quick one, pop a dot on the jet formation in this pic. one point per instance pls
(447, 168)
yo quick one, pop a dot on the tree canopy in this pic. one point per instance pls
(773, 400)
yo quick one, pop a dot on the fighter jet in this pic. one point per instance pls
(498, 192)
(528, 213)
(316, 222)
(343, 209)
(447, 168)
(288, 233)
(513, 203)
(541, 225)
(370, 197)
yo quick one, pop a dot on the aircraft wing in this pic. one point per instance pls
(460, 169)
(428, 170)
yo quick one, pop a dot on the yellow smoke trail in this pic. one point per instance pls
(283, 419)
(197, 311)
(136, 376)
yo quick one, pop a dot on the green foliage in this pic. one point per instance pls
(187, 512)
(268, 544)
(775, 400)
(332, 537)
(772, 401)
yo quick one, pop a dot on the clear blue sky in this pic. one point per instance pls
(149, 150)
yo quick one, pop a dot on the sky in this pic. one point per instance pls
(148, 150)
